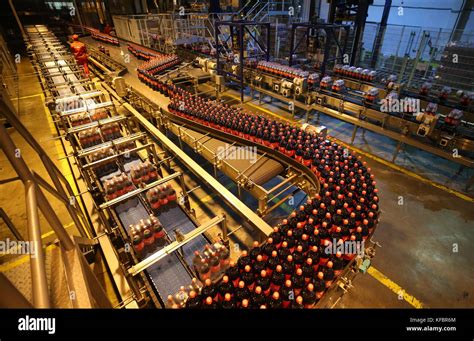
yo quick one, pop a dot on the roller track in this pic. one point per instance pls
(172, 272)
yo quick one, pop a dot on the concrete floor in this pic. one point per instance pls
(417, 237)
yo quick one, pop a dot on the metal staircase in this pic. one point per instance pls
(56, 276)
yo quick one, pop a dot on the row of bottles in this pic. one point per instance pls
(105, 167)
(282, 70)
(159, 63)
(142, 53)
(84, 118)
(93, 136)
(111, 131)
(161, 197)
(106, 38)
(117, 186)
(143, 172)
(147, 235)
(212, 262)
(89, 137)
(185, 295)
(355, 72)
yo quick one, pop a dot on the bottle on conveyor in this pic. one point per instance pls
(248, 277)
(215, 265)
(234, 273)
(171, 304)
(153, 199)
(209, 303)
(297, 303)
(137, 240)
(225, 286)
(287, 294)
(319, 285)
(284, 251)
(278, 278)
(224, 257)
(194, 301)
(163, 197)
(209, 290)
(171, 193)
(244, 304)
(255, 251)
(244, 260)
(328, 272)
(338, 264)
(272, 262)
(204, 270)
(148, 235)
(241, 292)
(259, 264)
(263, 281)
(257, 297)
(298, 281)
(196, 285)
(275, 301)
(309, 296)
(228, 302)
(268, 249)
(158, 231)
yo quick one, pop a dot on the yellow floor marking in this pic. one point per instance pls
(21, 260)
(25, 97)
(406, 171)
(376, 158)
(398, 290)
(47, 234)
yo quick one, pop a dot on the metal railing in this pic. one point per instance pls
(36, 199)
(418, 54)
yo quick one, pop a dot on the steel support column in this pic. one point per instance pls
(24, 173)
(380, 33)
(37, 258)
(359, 28)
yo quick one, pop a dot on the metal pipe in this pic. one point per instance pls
(398, 48)
(15, 14)
(38, 270)
(11, 297)
(421, 48)
(10, 225)
(24, 173)
(79, 16)
(380, 33)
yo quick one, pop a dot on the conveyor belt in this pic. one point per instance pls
(174, 218)
(259, 171)
(169, 274)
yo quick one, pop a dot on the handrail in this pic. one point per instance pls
(37, 257)
(24, 173)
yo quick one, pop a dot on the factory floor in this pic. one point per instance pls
(425, 231)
